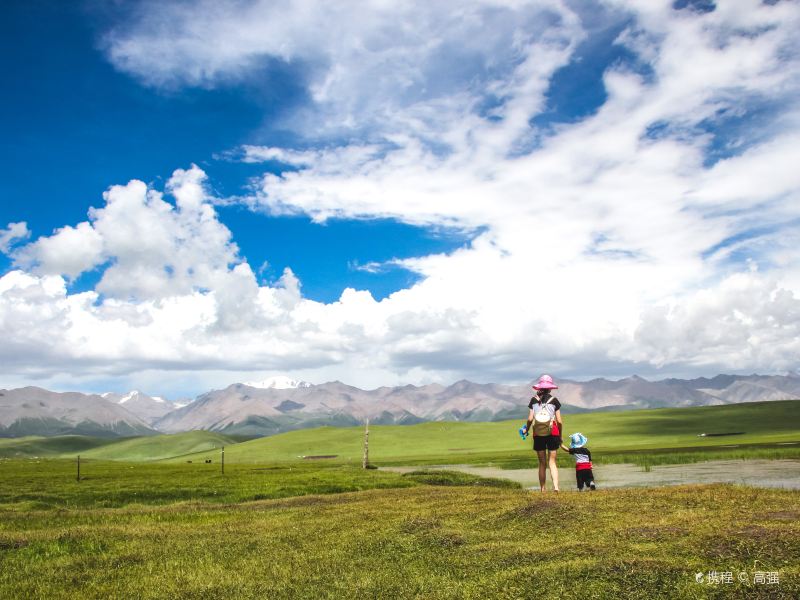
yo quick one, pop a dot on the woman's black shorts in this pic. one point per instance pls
(546, 442)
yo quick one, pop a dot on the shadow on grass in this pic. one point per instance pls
(455, 478)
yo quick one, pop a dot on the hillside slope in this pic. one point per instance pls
(638, 429)
(161, 446)
(37, 446)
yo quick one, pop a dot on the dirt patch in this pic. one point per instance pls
(458, 449)
(429, 532)
(320, 456)
(750, 543)
(445, 539)
(419, 525)
(12, 544)
(300, 501)
(784, 515)
(533, 509)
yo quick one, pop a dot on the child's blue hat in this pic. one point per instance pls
(578, 440)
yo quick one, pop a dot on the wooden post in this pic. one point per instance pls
(365, 460)
(223, 460)
(79, 467)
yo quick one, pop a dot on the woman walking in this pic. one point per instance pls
(545, 416)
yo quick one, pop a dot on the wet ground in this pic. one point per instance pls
(760, 473)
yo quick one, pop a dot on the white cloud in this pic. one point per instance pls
(149, 247)
(12, 234)
(747, 320)
(69, 251)
(607, 245)
(362, 61)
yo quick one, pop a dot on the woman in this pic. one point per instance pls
(545, 414)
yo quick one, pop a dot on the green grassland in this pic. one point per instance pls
(614, 436)
(36, 446)
(421, 541)
(52, 483)
(641, 436)
(276, 525)
(161, 446)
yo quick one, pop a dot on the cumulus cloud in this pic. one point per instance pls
(149, 248)
(69, 251)
(633, 239)
(13, 234)
(748, 319)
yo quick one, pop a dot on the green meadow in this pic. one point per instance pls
(420, 537)
(65, 445)
(160, 446)
(769, 429)
(766, 430)
(295, 515)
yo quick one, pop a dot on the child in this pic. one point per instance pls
(583, 460)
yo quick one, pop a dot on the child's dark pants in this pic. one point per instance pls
(585, 477)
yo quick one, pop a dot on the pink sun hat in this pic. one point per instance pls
(545, 383)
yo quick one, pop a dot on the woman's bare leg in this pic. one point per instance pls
(542, 467)
(553, 469)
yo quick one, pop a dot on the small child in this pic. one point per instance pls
(583, 461)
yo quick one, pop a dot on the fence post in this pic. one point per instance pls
(365, 460)
(223, 460)
(79, 467)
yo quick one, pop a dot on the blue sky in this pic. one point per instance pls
(417, 194)
(67, 108)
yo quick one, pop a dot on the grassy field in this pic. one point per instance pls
(277, 525)
(647, 437)
(52, 484)
(161, 446)
(35, 446)
(626, 435)
(420, 541)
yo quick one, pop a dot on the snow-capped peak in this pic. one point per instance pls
(279, 382)
(128, 396)
(158, 399)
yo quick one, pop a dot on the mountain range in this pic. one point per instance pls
(36, 411)
(282, 404)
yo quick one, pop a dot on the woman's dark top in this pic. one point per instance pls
(554, 403)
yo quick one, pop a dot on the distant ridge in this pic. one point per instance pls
(36, 411)
(282, 404)
(247, 410)
(279, 382)
(148, 408)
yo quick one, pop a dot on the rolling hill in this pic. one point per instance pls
(39, 447)
(160, 446)
(607, 431)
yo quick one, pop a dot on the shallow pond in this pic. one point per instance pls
(761, 473)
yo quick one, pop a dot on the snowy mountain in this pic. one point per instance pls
(36, 411)
(282, 404)
(268, 409)
(279, 382)
(147, 408)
